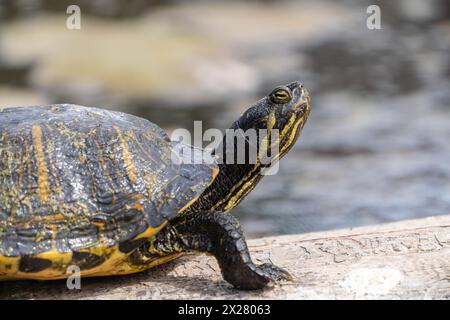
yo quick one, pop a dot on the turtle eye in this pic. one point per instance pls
(280, 95)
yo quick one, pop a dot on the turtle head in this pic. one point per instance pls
(269, 129)
(281, 114)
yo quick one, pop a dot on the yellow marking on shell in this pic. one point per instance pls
(138, 207)
(60, 262)
(150, 231)
(43, 185)
(150, 180)
(117, 263)
(99, 225)
(8, 266)
(101, 160)
(61, 258)
(126, 267)
(53, 218)
(50, 148)
(127, 158)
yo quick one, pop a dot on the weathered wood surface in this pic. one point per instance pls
(403, 260)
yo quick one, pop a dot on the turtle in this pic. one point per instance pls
(101, 190)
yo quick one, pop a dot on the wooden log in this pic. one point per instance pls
(402, 260)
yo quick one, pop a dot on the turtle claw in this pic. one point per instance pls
(273, 273)
(256, 277)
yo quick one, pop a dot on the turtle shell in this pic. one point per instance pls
(74, 178)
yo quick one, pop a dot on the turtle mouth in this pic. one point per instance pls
(302, 108)
(302, 105)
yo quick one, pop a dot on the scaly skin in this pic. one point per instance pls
(219, 234)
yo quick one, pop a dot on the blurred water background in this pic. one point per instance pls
(376, 147)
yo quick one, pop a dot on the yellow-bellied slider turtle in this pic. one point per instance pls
(100, 190)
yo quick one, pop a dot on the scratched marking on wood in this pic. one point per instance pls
(404, 260)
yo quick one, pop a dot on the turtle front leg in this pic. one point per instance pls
(219, 234)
